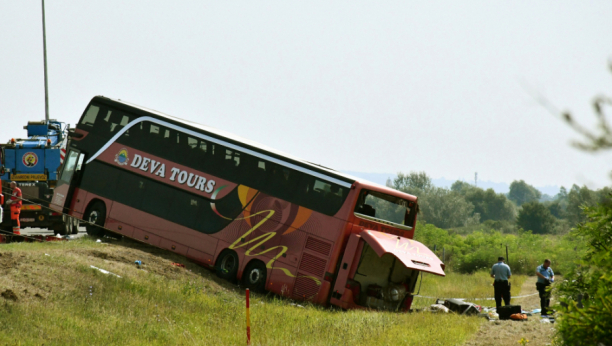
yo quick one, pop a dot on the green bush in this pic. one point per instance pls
(480, 249)
(589, 284)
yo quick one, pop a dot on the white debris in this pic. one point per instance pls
(438, 308)
(105, 271)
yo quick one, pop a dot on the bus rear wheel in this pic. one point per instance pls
(95, 217)
(254, 276)
(227, 266)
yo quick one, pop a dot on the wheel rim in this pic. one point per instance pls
(93, 216)
(255, 275)
(228, 264)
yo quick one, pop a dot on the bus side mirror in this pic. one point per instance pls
(73, 134)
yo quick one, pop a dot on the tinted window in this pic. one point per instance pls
(89, 118)
(270, 178)
(159, 199)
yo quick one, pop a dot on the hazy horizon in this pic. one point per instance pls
(444, 88)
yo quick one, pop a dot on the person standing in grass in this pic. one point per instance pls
(546, 276)
(501, 273)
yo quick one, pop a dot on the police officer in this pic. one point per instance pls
(15, 203)
(501, 273)
(546, 276)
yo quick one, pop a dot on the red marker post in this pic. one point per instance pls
(248, 318)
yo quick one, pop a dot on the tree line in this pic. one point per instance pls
(466, 207)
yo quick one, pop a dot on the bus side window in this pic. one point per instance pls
(135, 135)
(192, 143)
(130, 190)
(157, 199)
(185, 208)
(89, 119)
(101, 179)
(153, 141)
(114, 119)
(124, 121)
(282, 182)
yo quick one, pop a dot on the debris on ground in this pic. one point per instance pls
(105, 271)
(461, 307)
(438, 308)
(178, 265)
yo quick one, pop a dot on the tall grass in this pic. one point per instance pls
(79, 305)
(474, 287)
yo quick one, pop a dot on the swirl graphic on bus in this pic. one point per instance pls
(247, 195)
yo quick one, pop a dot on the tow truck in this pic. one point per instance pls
(33, 163)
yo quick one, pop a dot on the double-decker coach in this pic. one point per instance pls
(273, 221)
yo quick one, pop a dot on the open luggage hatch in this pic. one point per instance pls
(380, 271)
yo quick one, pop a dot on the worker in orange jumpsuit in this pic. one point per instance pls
(15, 203)
(1, 197)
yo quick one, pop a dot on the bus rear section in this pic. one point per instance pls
(380, 271)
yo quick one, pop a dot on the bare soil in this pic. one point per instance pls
(508, 333)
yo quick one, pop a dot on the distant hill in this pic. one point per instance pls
(381, 178)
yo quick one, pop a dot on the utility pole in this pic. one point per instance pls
(45, 58)
(476, 179)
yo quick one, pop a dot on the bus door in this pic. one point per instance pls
(62, 194)
(380, 271)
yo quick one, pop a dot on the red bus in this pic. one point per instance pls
(272, 221)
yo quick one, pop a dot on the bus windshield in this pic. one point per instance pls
(382, 207)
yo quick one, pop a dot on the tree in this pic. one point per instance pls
(586, 292)
(490, 205)
(591, 280)
(412, 183)
(577, 198)
(461, 186)
(446, 209)
(438, 206)
(556, 209)
(535, 217)
(521, 192)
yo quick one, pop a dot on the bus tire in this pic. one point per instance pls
(75, 225)
(254, 276)
(227, 265)
(65, 227)
(95, 217)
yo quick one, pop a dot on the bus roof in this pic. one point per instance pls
(249, 143)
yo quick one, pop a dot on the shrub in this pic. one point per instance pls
(589, 284)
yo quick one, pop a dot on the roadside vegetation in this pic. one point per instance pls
(475, 288)
(465, 208)
(50, 295)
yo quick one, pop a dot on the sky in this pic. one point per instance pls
(444, 87)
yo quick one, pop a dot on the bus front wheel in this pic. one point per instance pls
(254, 276)
(227, 267)
(95, 217)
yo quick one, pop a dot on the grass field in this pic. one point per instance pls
(473, 287)
(51, 296)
